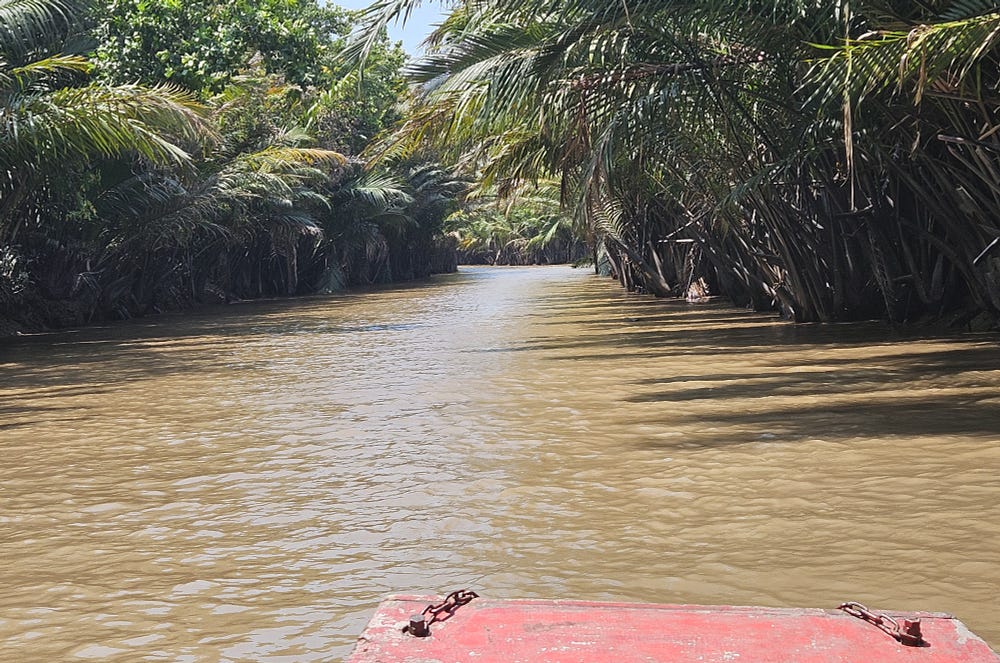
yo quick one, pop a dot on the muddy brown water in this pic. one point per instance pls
(247, 483)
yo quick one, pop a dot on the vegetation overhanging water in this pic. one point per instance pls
(829, 161)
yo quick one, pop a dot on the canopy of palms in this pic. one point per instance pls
(833, 161)
(119, 200)
(48, 117)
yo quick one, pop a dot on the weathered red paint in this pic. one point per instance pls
(536, 631)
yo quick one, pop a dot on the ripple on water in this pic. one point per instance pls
(246, 485)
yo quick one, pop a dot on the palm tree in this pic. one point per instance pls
(619, 101)
(930, 72)
(515, 227)
(386, 225)
(692, 139)
(236, 225)
(48, 118)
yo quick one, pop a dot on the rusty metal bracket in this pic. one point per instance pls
(420, 625)
(906, 631)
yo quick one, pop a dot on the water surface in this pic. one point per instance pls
(247, 483)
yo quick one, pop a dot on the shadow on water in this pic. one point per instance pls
(63, 421)
(803, 381)
(88, 368)
(782, 382)
(894, 418)
(144, 341)
(246, 318)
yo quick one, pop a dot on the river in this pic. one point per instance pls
(246, 483)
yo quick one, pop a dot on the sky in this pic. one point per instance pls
(419, 25)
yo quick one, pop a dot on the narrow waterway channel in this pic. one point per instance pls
(247, 483)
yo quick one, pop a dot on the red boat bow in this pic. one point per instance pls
(537, 631)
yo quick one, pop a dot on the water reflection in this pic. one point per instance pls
(245, 483)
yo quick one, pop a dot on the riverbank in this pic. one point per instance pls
(56, 315)
(36, 307)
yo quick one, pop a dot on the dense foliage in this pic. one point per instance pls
(202, 45)
(526, 227)
(162, 154)
(834, 161)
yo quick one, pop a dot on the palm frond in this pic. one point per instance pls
(929, 58)
(27, 26)
(379, 190)
(99, 121)
(282, 159)
(48, 72)
(374, 19)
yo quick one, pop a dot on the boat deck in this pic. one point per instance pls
(539, 631)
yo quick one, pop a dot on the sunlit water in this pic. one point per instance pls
(247, 483)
